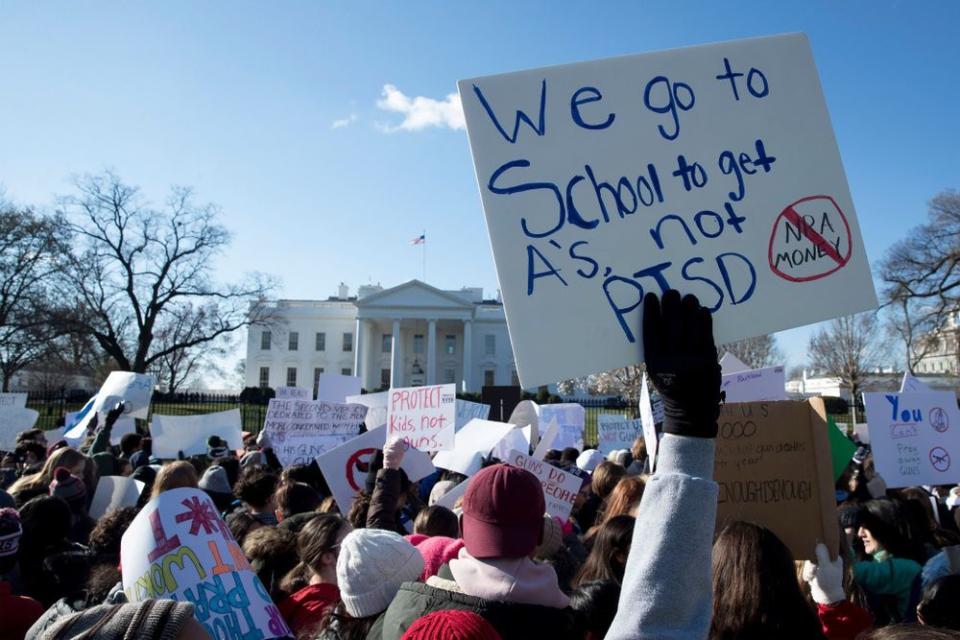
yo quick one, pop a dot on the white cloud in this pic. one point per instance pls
(344, 122)
(420, 112)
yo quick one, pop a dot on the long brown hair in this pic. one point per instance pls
(625, 497)
(318, 537)
(605, 478)
(175, 475)
(347, 627)
(63, 457)
(608, 557)
(756, 594)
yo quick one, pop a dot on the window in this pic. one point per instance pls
(418, 343)
(514, 378)
(316, 380)
(294, 341)
(451, 345)
(449, 376)
(347, 342)
(386, 342)
(321, 342)
(490, 344)
(488, 377)
(384, 377)
(265, 341)
(346, 371)
(264, 377)
(291, 376)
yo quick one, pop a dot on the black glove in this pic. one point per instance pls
(681, 360)
(114, 414)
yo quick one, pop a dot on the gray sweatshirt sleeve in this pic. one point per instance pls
(667, 592)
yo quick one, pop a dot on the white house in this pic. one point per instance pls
(412, 334)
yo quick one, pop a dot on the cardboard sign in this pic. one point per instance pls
(473, 443)
(17, 400)
(114, 492)
(730, 363)
(712, 170)
(333, 387)
(13, 420)
(302, 430)
(842, 448)
(189, 434)
(421, 415)
(754, 385)
(560, 488)
(911, 384)
(915, 437)
(616, 432)
(571, 417)
(376, 404)
(649, 423)
(345, 467)
(179, 548)
(774, 468)
(296, 393)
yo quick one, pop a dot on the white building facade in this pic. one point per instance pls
(410, 335)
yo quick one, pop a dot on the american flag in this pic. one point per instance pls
(420, 239)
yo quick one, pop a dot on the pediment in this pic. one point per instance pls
(413, 294)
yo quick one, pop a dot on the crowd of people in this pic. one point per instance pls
(639, 556)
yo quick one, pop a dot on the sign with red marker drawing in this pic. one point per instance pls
(421, 415)
(712, 170)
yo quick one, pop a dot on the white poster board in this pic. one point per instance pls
(712, 170)
(189, 434)
(302, 430)
(75, 436)
(334, 387)
(114, 492)
(730, 363)
(344, 467)
(560, 488)
(179, 548)
(527, 413)
(296, 393)
(13, 420)
(376, 404)
(18, 400)
(912, 384)
(915, 437)
(467, 411)
(473, 443)
(755, 385)
(422, 415)
(134, 389)
(617, 432)
(546, 442)
(648, 422)
(571, 417)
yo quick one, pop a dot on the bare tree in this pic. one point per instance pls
(848, 348)
(31, 254)
(625, 382)
(757, 352)
(915, 330)
(922, 277)
(142, 277)
(180, 368)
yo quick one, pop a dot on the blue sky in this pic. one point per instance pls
(281, 113)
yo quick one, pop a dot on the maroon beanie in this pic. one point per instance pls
(68, 486)
(502, 513)
(451, 625)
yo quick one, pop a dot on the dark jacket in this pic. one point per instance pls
(383, 512)
(512, 621)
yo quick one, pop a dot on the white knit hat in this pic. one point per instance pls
(589, 459)
(373, 563)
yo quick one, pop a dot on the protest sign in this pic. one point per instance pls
(649, 423)
(189, 434)
(862, 433)
(616, 432)
(474, 442)
(546, 442)
(753, 385)
(915, 437)
(527, 413)
(911, 384)
(334, 387)
(467, 411)
(730, 363)
(114, 492)
(421, 415)
(75, 436)
(345, 467)
(712, 170)
(297, 393)
(302, 430)
(179, 548)
(18, 400)
(376, 404)
(13, 420)
(134, 389)
(774, 468)
(842, 448)
(560, 488)
(571, 417)
(515, 439)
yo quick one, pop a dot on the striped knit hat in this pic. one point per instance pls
(68, 486)
(147, 620)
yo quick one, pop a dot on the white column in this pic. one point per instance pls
(358, 343)
(467, 355)
(395, 359)
(432, 352)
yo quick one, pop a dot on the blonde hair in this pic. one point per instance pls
(176, 475)
(63, 457)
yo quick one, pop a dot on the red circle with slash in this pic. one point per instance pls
(353, 463)
(830, 251)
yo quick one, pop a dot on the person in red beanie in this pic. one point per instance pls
(494, 575)
(451, 625)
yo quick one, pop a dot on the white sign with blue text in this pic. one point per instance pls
(915, 437)
(712, 170)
